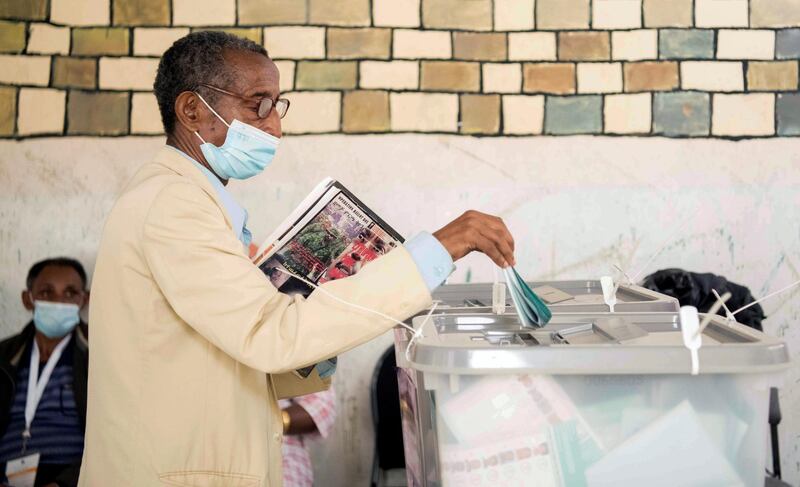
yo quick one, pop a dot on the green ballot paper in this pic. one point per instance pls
(531, 309)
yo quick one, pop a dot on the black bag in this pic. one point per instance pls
(694, 289)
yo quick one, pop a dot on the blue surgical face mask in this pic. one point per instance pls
(55, 320)
(246, 152)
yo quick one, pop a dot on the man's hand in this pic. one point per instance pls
(478, 231)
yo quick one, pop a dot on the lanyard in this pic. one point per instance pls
(36, 384)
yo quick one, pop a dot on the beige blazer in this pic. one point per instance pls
(185, 331)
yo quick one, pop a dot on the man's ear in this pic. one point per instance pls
(26, 300)
(187, 111)
(86, 297)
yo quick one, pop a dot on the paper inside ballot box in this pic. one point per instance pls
(289, 385)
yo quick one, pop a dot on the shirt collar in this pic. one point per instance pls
(237, 214)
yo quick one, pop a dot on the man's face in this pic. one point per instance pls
(256, 77)
(57, 284)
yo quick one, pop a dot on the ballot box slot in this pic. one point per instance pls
(500, 338)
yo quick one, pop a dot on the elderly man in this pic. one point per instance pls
(186, 330)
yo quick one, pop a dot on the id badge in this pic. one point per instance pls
(21, 472)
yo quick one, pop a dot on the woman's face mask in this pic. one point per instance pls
(247, 150)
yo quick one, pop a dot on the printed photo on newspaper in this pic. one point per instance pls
(328, 237)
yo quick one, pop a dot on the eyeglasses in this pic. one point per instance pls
(265, 104)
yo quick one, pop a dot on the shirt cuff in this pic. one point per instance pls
(432, 259)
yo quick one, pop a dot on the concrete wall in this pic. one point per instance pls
(577, 205)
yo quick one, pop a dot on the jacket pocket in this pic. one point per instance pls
(209, 478)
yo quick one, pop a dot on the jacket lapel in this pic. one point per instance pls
(177, 163)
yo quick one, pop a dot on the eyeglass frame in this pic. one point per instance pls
(260, 101)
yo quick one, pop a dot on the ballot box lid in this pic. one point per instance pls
(577, 296)
(584, 343)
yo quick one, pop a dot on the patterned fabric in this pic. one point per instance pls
(297, 469)
(56, 431)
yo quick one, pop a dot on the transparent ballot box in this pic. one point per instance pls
(604, 399)
(579, 296)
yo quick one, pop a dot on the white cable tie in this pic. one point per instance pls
(621, 271)
(357, 306)
(663, 246)
(766, 297)
(415, 334)
(712, 311)
(728, 315)
(418, 333)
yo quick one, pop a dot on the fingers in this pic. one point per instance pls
(494, 229)
(504, 238)
(502, 246)
(478, 231)
(493, 245)
(490, 248)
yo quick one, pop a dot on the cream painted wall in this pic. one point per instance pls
(577, 205)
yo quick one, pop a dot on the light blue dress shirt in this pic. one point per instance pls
(432, 259)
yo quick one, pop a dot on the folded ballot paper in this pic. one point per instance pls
(531, 309)
(672, 450)
(529, 430)
(519, 462)
(514, 430)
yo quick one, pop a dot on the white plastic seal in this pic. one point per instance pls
(498, 295)
(690, 326)
(609, 292)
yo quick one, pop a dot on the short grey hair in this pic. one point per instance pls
(193, 60)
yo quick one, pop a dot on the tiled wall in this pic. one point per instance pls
(677, 68)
